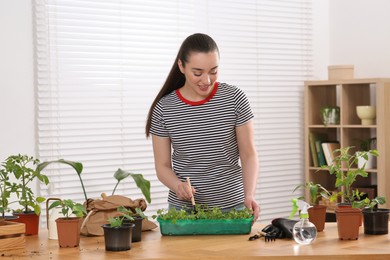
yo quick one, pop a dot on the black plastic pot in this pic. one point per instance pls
(117, 238)
(137, 230)
(376, 221)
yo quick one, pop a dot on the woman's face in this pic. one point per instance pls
(201, 72)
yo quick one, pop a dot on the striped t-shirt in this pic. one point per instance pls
(204, 143)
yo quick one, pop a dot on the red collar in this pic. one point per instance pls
(201, 102)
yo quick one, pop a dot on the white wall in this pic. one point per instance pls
(345, 31)
(359, 35)
(17, 125)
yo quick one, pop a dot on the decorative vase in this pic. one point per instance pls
(68, 230)
(367, 114)
(118, 238)
(317, 216)
(376, 221)
(330, 115)
(348, 222)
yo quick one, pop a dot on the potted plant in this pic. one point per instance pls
(376, 220)
(6, 189)
(93, 215)
(317, 213)
(68, 227)
(365, 145)
(204, 220)
(346, 171)
(330, 115)
(22, 168)
(118, 233)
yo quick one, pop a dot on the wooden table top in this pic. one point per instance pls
(155, 246)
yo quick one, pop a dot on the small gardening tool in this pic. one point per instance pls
(192, 198)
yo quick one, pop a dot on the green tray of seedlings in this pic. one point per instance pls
(204, 221)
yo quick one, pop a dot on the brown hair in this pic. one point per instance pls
(197, 42)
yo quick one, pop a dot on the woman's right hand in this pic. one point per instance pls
(184, 192)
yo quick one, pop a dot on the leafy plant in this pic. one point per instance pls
(141, 183)
(201, 212)
(366, 144)
(367, 203)
(69, 207)
(21, 166)
(125, 214)
(6, 188)
(345, 169)
(77, 166)
(316, 192)
(119, 175)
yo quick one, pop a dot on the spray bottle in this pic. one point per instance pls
(304, 232)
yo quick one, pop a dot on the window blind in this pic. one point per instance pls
(99, 65)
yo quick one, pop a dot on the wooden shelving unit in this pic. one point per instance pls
(347, 94)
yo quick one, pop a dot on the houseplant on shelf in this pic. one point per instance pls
(345, 169)
(376, 220)
(118, 233)
(68, 228)
(317, 213)
(23, 168)
(365, 145)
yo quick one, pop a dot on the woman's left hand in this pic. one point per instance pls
(250, 203)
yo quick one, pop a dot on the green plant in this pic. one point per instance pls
(367, 203)
(141, 183)
(201, 212)
(77, 166)
(22, 167)
(316, 192)
(6, 188)
(69, 207)
(119, 175)
(345, 169)
(125, 214)
(366, 144)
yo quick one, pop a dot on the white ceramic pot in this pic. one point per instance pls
(370, 163)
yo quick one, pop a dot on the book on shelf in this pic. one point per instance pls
(316, 152)
(328, 149)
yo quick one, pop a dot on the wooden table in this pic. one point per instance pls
(154, 246)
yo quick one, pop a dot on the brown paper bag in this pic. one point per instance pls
(100, 210)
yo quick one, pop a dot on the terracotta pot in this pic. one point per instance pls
(348, 223)
(317, 216)
(68, 230)
(30, 219)
(376, 221)
(118, 238)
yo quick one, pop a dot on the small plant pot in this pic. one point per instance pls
(348, 222)
(330, 115)
(137, 230)
(118, 238)
(317, 216)
(376, 221)
(68, 230)
(30, 219)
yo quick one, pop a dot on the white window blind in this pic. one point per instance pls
(99, 65)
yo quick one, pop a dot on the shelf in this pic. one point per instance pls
(347, 94)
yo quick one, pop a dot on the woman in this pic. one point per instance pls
(208, 125)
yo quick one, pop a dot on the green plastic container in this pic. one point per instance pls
(205, 227)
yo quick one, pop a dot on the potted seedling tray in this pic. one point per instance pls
(204, 222)
(205, 227)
